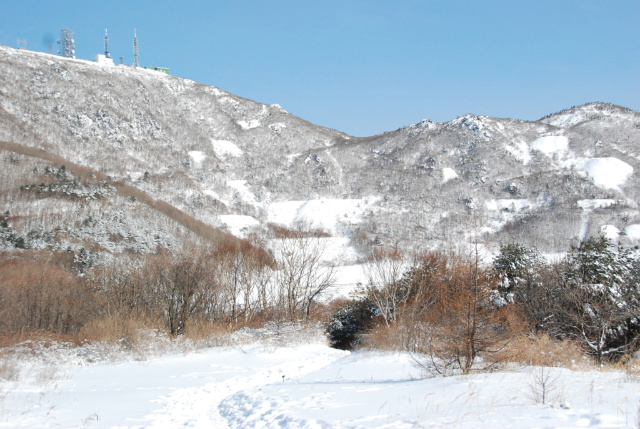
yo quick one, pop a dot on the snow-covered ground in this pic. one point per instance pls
(263, 384)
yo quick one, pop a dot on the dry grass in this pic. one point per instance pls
(541, 350)
(209, 333)
(389, 338)
(115, 328)
(9, 368)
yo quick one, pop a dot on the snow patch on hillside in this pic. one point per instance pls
(225, 148)
(633, 232)
(448, 174)
(247, 125)
(611, 232)
(519, 149)
(610, 173)
(197, 157)
(211, 193)
(588, 205)
(327, 214)
(503, 211)
(239, 225)
(508, 204)
(242, 191)
(550, 145)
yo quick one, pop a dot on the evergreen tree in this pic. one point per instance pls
(601, 298)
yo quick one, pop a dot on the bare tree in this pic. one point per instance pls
(383, 270)
(243, 269)
(302, 275)
(181, 284)
(462, 319)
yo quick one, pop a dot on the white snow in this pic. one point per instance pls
(324, 213)
(633, 232)
(610, 173)
(519, 149)
(242, 189)
(263, 385)
(279, 107)
(448, 174)
(589, 205)
(197, 157)
(239, 225)
(348, 278)
(550, 145)
(247, 125)
(277, 127)
(508, 204)
(507, 210)
(338, 250)
(611, 232)
(211, 193)
(225, 148)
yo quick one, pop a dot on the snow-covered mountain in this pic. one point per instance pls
(150, 159)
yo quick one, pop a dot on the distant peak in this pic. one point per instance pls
(584, 113)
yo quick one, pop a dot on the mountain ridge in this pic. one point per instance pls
(239, 165)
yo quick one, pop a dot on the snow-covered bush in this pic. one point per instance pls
(602, 299)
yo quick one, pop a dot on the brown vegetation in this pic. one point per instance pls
(225, 285)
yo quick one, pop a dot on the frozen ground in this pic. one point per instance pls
(259, 384)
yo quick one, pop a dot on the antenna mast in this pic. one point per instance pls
(106, 45)
(135, 49)
(67, 48)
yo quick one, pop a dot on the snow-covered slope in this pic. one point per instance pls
(239, 165)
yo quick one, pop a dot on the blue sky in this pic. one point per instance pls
(366, 66)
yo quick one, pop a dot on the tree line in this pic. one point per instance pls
(453, 309)
(232, 282)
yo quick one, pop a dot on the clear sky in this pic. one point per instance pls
(366, 66)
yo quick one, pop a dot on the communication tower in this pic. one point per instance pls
(135, 49)
(106, 45)
(67, 44)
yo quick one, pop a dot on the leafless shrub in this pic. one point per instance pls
(383, 271)
(456, 316)
(544, 385)
(39, 296)
(301, 274)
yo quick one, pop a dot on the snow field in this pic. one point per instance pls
(239, 225)
(261, 385)
(327, 214)
(610, 173)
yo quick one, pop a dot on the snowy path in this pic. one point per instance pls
(195, 407)
(322, 388)
(167, 392)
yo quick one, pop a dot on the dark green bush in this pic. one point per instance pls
(349, 322)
